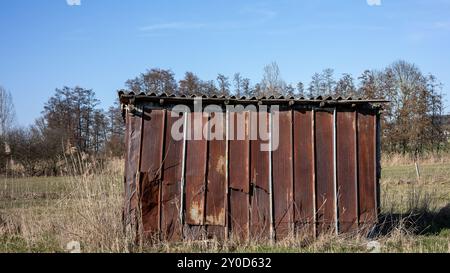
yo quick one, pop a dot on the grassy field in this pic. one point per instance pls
(44, 214)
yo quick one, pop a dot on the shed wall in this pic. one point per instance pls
(322, 178)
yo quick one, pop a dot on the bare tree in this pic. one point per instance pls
(322, 84)
(315, 88)
(246, 88)
(272, 84)
(238, 85)
(412, 121)
(328, 82)
(301, 89)
(116, 135)
(345, 87)
(155, 80)
(224, 85)
(289, 91)
(189, 85)
(257, 90)
(368, 83)
(436, 110)
(7, 112)
(208, 88)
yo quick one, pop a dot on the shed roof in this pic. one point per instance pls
(131, 97)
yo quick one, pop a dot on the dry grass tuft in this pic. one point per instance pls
(88, 209)
(397, 159)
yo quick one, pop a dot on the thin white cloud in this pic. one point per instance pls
(326, 27)
(253, 17)
(172, 26)
(374, 2)
(73, 2)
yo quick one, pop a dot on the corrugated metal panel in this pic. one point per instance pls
(151, 170)
(196, 166)
(322, 176)
(325, 187)
(282, 173)
(217, 179)
(260, 209)
(133, 153)
(171, 185)
(367, 168)
(347, 171)
(239, 174)
(304, 172)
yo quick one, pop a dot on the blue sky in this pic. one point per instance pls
(45, 44)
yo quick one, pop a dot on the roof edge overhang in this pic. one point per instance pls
(132, 98)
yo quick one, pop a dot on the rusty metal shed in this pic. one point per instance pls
(323, 176)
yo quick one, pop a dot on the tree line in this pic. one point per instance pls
(412, 122)
(73, 123)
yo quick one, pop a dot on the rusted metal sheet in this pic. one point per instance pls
(304, 185)
(323, 175)
(151, 170)
(196, 164)
(133, 153)
(347, 190)
(126, 177)
(171, 184)
(325, 195)
(260, 209)
(378, 162)
(367, 168)
(282, 175)
(239, 174)
(217, 177)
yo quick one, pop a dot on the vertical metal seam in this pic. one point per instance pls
(160, 188)
(336, 201)
(206, 176)
(227, 183)
(357, 168)
(183, 173)
(249, 171)
(271, 213)
(127, 205)
(293, 172)
(355, 124)
(314, 182)
(376, 148)
(138, 176)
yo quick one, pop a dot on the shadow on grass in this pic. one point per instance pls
(417, 222)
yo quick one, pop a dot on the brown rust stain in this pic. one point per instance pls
(196, 211)
(216, 177)
(221, 163)
(216, 218)
(196, 164)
